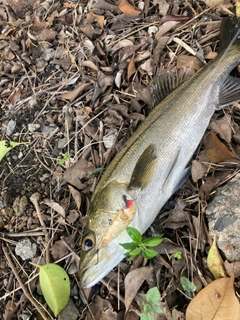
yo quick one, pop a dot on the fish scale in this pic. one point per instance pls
(174, 129)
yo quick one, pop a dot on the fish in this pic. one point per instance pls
(153, 163)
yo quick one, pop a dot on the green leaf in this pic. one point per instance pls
(96, 172)
(149, 254)
(146, 316)
(135, 252)
(129, 245)
(187, 284)
(64, 159)
(6, 146)
(134, 234)
(178, 255)
(152, 242)
(153, 295)
(147, 308)
(55, 286)
(157, 309)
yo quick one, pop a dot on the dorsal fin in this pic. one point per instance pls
(164, 84)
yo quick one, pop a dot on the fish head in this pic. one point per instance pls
(111, 210)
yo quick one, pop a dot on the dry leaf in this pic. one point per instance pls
(127, 8)
(76, 196)
(164, 28)
(101, 309)
(233, 267)
(59, 248)
(68, 5)
(21, 7)
(222, 127)
(212, 3)
(92, 17)
(217, 301)
(133, 281)
(15, 96)
(131, 67)
(188, 62)
(148, 66)
(215, 262)
(215, 150)
(55, 206)
(198, 170)
(72, 95)
(81, 170)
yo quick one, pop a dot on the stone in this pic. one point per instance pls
(223, 215)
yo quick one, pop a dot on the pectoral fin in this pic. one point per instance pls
(144, 169)
(230, 92)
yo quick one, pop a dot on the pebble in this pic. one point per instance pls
(69, 312)
(223, 215)
(25, 249)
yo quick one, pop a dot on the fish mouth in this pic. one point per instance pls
(102, 262)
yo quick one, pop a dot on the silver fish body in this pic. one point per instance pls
(174, 127)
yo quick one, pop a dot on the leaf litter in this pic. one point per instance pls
(78, 74)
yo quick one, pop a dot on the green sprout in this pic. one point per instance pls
(64, 159)
(96, 172)
(151, 306)
(187, 284)
(177, 255)
(139, 245)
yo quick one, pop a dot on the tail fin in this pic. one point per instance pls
(230, 32)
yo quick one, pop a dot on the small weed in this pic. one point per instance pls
(151, 306)
(139, 245)
(177, 255)
(64, 159)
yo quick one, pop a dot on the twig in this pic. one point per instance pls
(24, 289)
(34, 199)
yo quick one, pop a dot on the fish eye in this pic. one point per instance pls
(88, 242)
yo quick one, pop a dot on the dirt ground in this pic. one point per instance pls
(74, 85)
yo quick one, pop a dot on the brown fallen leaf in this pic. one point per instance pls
(215, 262)
(59, 248)
(76, 196)
(233, 267)
(15, 96)
(212, 3)
(127, 8)
(215, 150)
(92, 17)
(198, 170)
(72, 95)
(131, 67)
(217, 301)
(81, 170)
(189, 62)
(101, 309)
(222, 127)
(20, 7)
(133, 281)
(55, 206)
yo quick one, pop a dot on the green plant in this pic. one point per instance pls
(64, 159)
(96, 172)
(187, 284)
(139, 245)
(55, 286)
(177, 255)
(151, 306)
